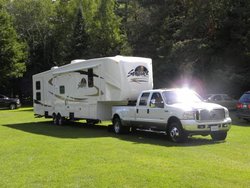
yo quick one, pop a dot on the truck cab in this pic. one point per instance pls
(178, 112)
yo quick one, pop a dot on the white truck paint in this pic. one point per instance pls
(178, 112)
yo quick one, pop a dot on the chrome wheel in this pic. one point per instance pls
(117, 126)
(176, 133)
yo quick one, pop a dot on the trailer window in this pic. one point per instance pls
(62, 89)
(38, 96)
(144, 99)
(90, 78)
(38, 85)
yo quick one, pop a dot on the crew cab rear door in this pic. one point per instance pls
(142, 109)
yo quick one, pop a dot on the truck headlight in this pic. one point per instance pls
(189, 115)
(226, 113)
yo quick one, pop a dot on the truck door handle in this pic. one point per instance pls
(148, 111)
(137, 110)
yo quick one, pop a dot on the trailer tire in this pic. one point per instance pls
(54, 119)
(59, 119)
(92, 121)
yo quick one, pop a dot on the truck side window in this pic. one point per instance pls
(144, 99)
(90, 78)
(156, 101)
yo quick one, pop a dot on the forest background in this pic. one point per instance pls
(203, 44)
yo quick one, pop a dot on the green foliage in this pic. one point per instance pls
(12, 51)
(80, 39)
(33, 23)
(107, 38)
(187, 39)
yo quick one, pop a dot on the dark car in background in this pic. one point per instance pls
(11, 103)
(222, 99)
(243, 106)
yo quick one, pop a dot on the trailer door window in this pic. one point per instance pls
(62, 89)
(90, 78)
(38, 96)
(38, 85)
(144, 99)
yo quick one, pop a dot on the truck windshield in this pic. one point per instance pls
(181, 96)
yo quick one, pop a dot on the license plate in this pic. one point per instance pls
(214, 128)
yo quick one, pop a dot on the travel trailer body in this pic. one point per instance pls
(87, 89)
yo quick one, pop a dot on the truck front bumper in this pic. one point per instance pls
(194, 126)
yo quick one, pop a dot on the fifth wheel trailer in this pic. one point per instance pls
(87, 89)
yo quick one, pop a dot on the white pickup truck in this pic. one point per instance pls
(178, 112)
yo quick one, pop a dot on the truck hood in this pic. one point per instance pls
(197, 106)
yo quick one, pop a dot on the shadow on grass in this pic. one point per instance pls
(79, 130)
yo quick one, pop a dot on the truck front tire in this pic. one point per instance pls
(219, 136)
(176, 133)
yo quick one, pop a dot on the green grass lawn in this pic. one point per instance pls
(36, 153)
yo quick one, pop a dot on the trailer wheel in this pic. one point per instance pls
(92, 121)
(176, 133)
(59, 119)
(54, 119)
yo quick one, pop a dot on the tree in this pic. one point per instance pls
(33, 22)
(12, 51)
(106, 35)
(80, 39)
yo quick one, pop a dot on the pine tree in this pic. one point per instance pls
(80, 38)
(12, 51)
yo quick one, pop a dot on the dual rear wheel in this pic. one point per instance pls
(118, 127)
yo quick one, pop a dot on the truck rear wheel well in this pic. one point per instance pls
(115, 116)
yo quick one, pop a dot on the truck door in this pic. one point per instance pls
(142, 110)
(156, 113)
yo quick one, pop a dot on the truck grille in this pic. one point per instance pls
(216, 114)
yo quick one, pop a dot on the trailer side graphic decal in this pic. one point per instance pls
(139, 74)
(38, 102)
(81, 84)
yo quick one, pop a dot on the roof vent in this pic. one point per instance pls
(77, 61)
(55, 67)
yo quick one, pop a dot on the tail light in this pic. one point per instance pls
(240, 105)
(248, 106)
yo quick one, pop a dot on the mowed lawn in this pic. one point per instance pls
(36, 153)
